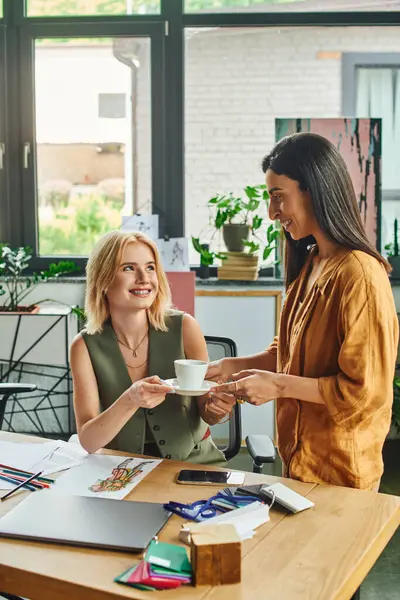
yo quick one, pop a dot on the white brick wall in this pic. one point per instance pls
(238, 81)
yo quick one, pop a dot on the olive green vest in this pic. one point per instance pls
(175, 424)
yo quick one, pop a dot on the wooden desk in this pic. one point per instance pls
(321, 554)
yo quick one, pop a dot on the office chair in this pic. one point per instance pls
(7, 390)
(220, 347)
(259, 446)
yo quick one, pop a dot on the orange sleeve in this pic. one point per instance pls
(368, 331)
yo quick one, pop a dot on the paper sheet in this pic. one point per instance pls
(105, 476)
(245, 519)
(147, 224)
(174, 254)
(50, 457)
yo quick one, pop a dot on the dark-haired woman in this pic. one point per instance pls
(331, 367)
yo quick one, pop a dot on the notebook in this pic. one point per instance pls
(48, 516)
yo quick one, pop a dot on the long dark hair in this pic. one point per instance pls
(319, 168)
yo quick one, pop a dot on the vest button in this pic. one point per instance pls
(167, 456)
(161, 442)
(150, 413)
(156, 428)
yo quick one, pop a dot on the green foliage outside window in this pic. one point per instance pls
(65, 8)
(73, 231)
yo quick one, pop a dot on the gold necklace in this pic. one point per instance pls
(138, 366)
(134, 350)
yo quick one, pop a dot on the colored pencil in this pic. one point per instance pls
(21, 485)
(46, 479)
(13, 479)
(19, 478)
(9, 480)
(15, 473)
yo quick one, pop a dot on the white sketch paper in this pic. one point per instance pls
(174, 254)
(147, 224)
(105, 476)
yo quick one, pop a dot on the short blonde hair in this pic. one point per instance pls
(101, 270)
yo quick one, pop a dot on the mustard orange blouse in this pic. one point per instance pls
(346, 335)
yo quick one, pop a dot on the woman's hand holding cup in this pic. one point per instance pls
(220, 370)
(149, 392)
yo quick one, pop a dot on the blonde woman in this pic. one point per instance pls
(129, 345)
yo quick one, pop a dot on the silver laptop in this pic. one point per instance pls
(49, 516)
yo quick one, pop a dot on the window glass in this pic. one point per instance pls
(93, 139)
(68, 8)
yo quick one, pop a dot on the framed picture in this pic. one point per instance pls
(174, 254)
(147, 224)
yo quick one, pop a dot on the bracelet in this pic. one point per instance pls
(218, 421)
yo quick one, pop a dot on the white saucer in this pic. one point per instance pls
(206, 387)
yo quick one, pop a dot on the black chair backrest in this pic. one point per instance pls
(221, 347)
(7, 390)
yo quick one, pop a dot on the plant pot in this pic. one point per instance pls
(22, 310)
(233, 234)
(395, 262)
(204, 271)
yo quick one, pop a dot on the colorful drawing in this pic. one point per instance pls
(359, 141)
(120, 477)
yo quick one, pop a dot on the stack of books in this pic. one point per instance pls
(239, 266)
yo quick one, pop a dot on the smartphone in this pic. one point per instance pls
(188, 477)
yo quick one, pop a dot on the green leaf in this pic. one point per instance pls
(252, 246)
(79, 312)
(269, 234)
(257, 222)
(206, 257)
(267, 251)
(196, 244)
(220, 219)
(251, 192)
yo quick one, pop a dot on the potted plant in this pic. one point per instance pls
(392, 251)
(239, 217)
(13, 263)
(207, 257)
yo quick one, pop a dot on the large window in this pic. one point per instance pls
(92, 131)
(93, 138)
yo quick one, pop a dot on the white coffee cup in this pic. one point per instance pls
(190, 373)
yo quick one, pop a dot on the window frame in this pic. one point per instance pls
(4, 197)
(18, 216)
(155, 32)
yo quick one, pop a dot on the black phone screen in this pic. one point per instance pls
(186, 475)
